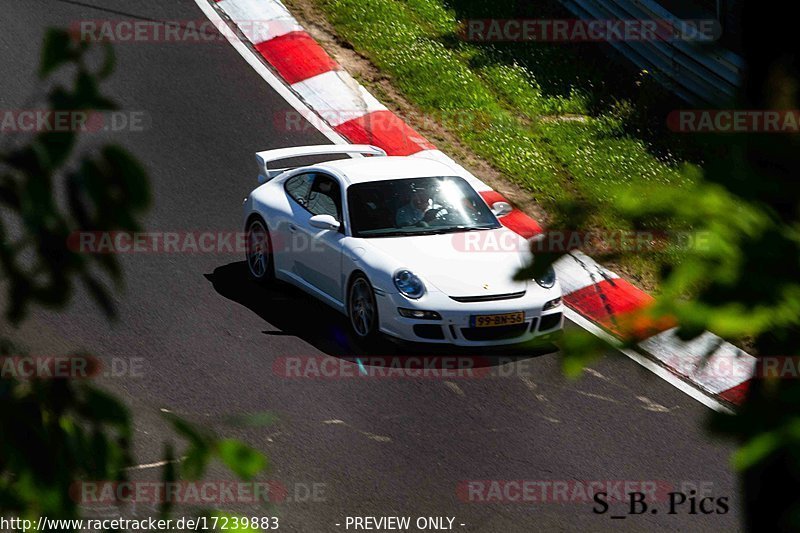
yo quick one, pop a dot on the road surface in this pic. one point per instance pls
(209, 340)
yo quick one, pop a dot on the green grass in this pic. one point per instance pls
(569, 142)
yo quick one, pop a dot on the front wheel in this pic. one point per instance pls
(362, 309)
(259, 251)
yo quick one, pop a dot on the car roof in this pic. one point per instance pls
(366, 169)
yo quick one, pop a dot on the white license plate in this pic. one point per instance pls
(491, 321)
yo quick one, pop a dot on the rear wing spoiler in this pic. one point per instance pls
(266, 158)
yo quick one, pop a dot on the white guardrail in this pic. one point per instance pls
(696, 71)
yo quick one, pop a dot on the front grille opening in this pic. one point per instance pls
(429, 331)
(550, 321)
(488, 298)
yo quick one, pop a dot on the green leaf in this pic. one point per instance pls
(168, 476)
(244, 461)
(57, 146)
(56, 51)
(103, 407)
(131, 175)
(100, 295)
(755, 450)
(578, 349)
(109, 62)
(195, 436)
(87, 91)
(194, 463)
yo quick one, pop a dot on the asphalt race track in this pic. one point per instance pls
(209, 339)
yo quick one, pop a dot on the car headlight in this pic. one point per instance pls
(408, 284)
(552, 304)
(548, 279)
(419, 314)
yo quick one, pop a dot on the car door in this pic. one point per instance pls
(285, 239)
(308, 255)
(322, 255)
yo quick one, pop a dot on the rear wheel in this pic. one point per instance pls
(259, 251)
(362, 309)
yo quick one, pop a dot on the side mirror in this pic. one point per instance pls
(501, 208)
(324, 222)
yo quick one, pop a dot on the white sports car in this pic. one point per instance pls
(394, 243)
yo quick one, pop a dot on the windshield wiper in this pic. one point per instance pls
(387, 234)
(427, 231)
(476, 228)
(453, 229)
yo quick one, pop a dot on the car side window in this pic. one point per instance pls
(298, 187)
(325, 197)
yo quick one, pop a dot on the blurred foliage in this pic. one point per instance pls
(56, 432)
(105, 190)
(53, 434)
(739, 274)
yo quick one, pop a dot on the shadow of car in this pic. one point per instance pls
(294, 313)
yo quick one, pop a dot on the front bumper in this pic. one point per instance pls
(454, 326)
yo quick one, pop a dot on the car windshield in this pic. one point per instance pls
(417, 206)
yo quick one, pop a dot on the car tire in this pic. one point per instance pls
(362, 310)
(258, 253)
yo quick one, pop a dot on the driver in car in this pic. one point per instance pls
(420, 208)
